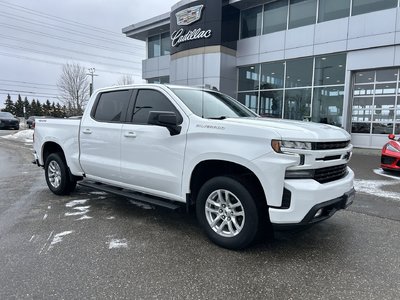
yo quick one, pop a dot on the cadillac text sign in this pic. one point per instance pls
(186, 17)
(180, 36)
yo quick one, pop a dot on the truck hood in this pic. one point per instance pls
(295, 130)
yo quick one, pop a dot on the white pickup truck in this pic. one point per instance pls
(174, 145)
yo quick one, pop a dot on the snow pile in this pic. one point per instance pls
(21, 136)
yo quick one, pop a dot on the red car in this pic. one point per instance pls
(390, 159)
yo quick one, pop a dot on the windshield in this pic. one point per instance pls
(212, 105)
(6, 115)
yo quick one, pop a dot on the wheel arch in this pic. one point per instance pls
(51, 147)
(210, 168)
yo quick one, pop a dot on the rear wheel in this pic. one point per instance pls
(228, 213)
(57, 175)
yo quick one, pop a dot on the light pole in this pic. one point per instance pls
(91, 74)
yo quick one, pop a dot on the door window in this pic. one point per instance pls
(151, 100)
(112, 106)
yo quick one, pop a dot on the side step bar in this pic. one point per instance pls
(131, 195)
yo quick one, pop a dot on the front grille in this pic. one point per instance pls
(398, 163)
(387, 160)
(329, 174)
(330, 145)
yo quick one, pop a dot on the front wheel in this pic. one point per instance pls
(227, 212)
(57, 175)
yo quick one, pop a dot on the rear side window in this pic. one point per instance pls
(150, 100)
(112, 106)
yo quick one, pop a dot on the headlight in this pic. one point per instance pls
(392, 148)
(278, 145)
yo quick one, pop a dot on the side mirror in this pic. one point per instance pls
(166, 119)
(391, 136)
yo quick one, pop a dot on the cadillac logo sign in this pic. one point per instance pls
(189, 15)
(186, 17)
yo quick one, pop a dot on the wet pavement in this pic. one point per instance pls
(94, 245)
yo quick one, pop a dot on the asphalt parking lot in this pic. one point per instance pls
(95, 245)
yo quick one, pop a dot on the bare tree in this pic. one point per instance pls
(74, 87)
(125, 80)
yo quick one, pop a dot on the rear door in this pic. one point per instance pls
(151, 158)
(100, 135)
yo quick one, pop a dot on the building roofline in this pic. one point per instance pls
(146, 28)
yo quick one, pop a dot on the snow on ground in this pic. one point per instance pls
(25, 136)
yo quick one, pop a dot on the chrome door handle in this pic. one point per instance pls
(87, 131)
(130, 134)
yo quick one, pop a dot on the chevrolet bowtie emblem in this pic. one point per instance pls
(189, 15)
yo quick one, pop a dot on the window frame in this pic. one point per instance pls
(123, 118)
(134, 100)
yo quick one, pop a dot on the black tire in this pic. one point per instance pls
(230, 236)
(58, 177)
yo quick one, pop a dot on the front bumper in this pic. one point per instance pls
(322, 211)
(308, 197)
(390, 162)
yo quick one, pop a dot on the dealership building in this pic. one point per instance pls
(327, 61)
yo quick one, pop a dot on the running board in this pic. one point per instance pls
(131, 195)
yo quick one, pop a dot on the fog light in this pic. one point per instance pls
(318, 213)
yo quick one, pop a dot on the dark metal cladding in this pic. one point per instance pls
(330, 145)
(329, 174)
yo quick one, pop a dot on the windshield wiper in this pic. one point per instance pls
(218, 118)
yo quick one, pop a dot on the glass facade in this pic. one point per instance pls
(330, 10)
(162, 80)
(287, 14)
(366, 6)
(302, 12)
(158, 45)
(310, 88)
(375, 102)
(275, 16)
(251, 22)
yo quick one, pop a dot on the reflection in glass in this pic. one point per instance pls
(249, 99)
(251, 20)
(153, 46)
(384, 115)
(382, 128)
(386, 75)
(330, 69)
(161, 80)
(272, 75)
(297, 104)
(249, 78)
(165, 44)
(397, 129)
(398, 116)
(365, 77)
(361, 127)
(385, 89)
(271, 104)
(362, 115)
(362, 102)
(328, 105)
(299, 72)
(366, 6)
(384, 102)
(275, 16)
(330, 10)
(302, 12)
(363, 90)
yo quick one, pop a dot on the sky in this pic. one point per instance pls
(37, 37)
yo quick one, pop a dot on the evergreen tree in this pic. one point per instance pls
(46, 108)
(59, 111)
(19, 107)
(28, 109)
(9, 105)
(36, 108)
